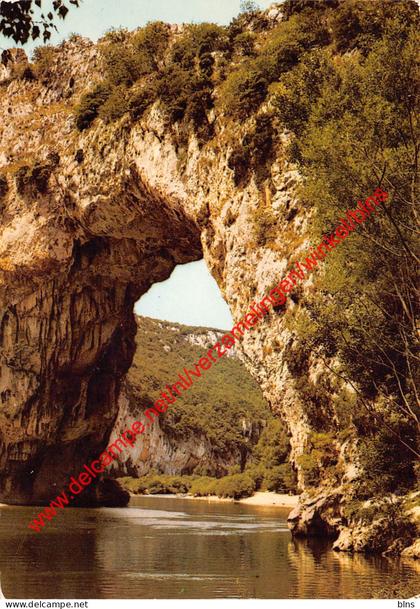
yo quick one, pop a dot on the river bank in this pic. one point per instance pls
(261, 499)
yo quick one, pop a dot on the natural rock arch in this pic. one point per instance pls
(90, 221)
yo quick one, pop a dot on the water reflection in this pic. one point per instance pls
(174, 548)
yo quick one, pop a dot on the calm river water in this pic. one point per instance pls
(177, 548)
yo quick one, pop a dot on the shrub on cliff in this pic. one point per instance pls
(4, 186)
(255, 153)
(43, 59)
(359, 25)
(115, 106)
(246, 88)
(248, 6)
(320, 457)
(88, 107)
(270, 469)
(121, 64)
(388, 465)
(140, 99)
(273, 446)
(150, 44)
(293, 7)
(34, 179)
(185, 85)
(309, 466)
(367, 316)
(182, 79)
(244, 42)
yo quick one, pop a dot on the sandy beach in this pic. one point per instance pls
(265, 498)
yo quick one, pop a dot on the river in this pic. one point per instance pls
(167, 547)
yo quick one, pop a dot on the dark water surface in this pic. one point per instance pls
(177, 548)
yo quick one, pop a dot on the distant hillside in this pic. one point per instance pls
(213, 426)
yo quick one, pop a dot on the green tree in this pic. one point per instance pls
(249, 6)
(25, 19)
(355, 131)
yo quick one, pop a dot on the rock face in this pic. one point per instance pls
(316, 516)
(70, 274)
(164, 453)
(188, 443)
(89, 222)
(412, 551)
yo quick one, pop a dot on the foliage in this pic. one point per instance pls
(219, 407)
(293, 7)
(265, 221)
(157, 484)
(280, 479)
(273, 446)
(234, 486)
(321, 454)
(151, 43)
(358, 25)
(122, 65)
(387, 464)
(4, 186)
(309, 466)
(115, 105)
(139, 69)
(246, 88)
(249, 6)
(297, 358)
(388, 516)
(245, 43)
(257, 472)
(299, 89)
(365, 307)
(33, 179)
(255, 153)
(140, 99)
(185, 85)
(203, 487)
(128, 60)
(23, 19)
(43, 58)
(269, 468)
(89, 105)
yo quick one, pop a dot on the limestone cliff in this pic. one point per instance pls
(215, 425)
(90, 220)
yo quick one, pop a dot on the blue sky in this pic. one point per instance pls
(191, 295)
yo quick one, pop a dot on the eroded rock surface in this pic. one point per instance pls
(89, 222)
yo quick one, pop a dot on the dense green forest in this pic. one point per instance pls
(227, 408)
(216, 405)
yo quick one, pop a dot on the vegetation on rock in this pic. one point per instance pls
(227, 408)
(366, 316)
(327, 69)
